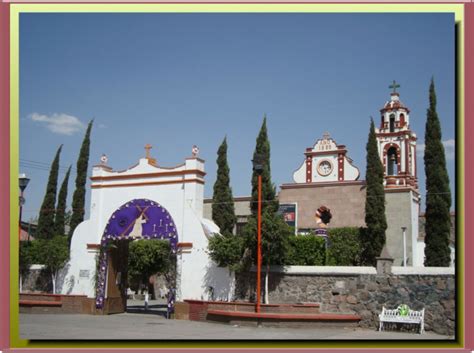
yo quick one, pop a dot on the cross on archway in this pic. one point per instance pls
(394, 86)
(148, 147)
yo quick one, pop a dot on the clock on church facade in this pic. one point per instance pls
(326, 161)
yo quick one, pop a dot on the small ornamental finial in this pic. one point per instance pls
(103, 159)
(326, 136)
(394, 86)
(195, 150)
(148, 147)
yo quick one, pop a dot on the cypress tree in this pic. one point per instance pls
(262, 149)
(223, 212)
(275, 232)
(438, 194)
(373, 237)
(78, 199)
(45, 228)
(59, 220)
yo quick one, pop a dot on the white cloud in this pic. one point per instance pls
(102, 126)
(449, 149)
(420, 149)
(62, 124)
(451, 143)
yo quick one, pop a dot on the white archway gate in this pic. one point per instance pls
(180, 192)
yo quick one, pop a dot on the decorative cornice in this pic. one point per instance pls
(179, 181)
(185, 245)
(396, 189)
(322, 184)
(396, 134)
(196, 158)
(93, 246)
(103, 166)
(148, 175)
(319, 153)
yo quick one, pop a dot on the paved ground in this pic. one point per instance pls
(137, 325)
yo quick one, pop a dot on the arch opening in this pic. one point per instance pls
(392, 161)
(134, 220)
(392, 123)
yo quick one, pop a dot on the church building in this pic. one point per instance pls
(328, 176)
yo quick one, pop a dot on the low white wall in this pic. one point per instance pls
(358, 270)
(400, 270)
(326, 270)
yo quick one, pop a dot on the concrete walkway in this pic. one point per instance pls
(153, 326)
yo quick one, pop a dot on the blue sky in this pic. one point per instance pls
(174, 80)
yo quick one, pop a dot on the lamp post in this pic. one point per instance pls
(22, 182)
(258, 168)
(404, 247)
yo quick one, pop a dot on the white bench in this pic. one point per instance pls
(393, 315)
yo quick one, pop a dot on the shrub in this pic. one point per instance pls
(344, 246)
(305, 250)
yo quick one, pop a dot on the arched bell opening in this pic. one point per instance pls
(392, 122)
(392, 161)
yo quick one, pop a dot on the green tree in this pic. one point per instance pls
(25, 260)
(275, 231)
(54, 254)
(223, 212)
(438, 194)
(262, 150)
(78, 199)
(60, 219)
(275, 242)
(373, 238)
(146, 258)
(226, 251)
(45, 228)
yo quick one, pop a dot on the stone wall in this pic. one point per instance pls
(364, 294)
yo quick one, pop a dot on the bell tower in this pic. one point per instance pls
(397, 143)
(397, 151)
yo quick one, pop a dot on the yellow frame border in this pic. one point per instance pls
(17, 9)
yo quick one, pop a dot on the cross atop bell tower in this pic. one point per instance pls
(394, 85)
(397, 143)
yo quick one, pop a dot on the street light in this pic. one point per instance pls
(404, 247)
(258, 168)
(23, 183)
